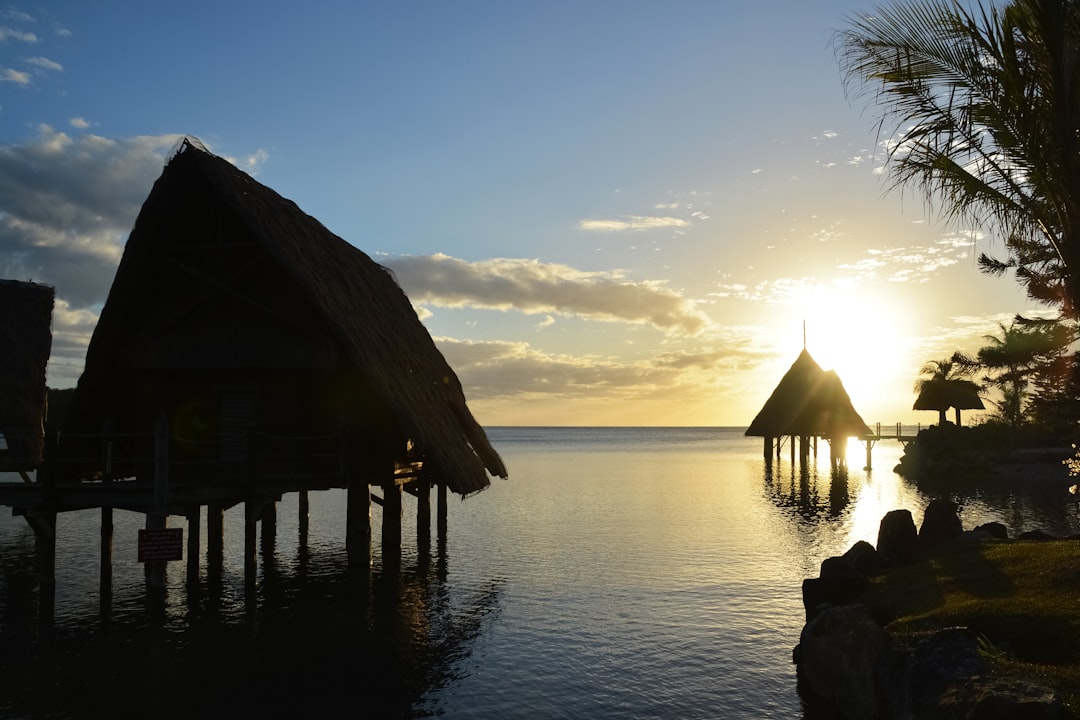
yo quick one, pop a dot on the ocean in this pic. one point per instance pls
(617, 573)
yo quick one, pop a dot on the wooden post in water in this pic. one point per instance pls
(441, 510)
(215, 533)
(423, 510)
(251, 518)
(391, 525)
(105, 581)
(157, 518)
(303, 508)
(194, 520)
(358, 522)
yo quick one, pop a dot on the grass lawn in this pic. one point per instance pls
(1021, 598)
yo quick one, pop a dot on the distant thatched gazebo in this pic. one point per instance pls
(940, 394)
(808, 403)
(25, 344)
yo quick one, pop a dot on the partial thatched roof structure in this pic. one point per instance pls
(808, 402)
(25, 344)
(940, 395)
(356, 302)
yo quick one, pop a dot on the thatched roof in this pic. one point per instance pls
(808, 402)
(25, 343)
(940, 395)
(373, 327)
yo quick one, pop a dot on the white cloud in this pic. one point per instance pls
(533, 287)
(7, 33)
(503, 369)
(14, 76)
(632, 223)
(45, 63)
(78, 122)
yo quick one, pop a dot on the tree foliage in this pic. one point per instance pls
(984, 109)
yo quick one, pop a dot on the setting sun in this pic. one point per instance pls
(857, 331)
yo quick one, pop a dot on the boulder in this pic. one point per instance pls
(941, 523)
(897, 541)
(864, 558)
(835, 590)
(994, 529)
(840, 657)
(1038, 535)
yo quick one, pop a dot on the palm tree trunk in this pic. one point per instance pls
(941, 417)
(957, 417)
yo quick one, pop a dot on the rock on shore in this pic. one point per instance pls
(851, 667)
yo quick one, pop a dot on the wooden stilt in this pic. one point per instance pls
(391, 525)
(106, 549)
(194, 520)
(423, 510)
(302, 513)
(441, 510)
(251, 519)
(358, 523)
(157, 518)
(215, 534)
(43, 522)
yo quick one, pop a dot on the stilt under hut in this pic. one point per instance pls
(245, 351)
(808, 403)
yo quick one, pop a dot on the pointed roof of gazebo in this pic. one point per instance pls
(808, 402)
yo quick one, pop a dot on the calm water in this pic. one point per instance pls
(619, 573)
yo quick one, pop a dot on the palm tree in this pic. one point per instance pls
(986, 109)
(1024, 348)
(944, 384)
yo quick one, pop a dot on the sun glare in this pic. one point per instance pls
(863, 337)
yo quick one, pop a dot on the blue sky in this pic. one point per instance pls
(604, 212)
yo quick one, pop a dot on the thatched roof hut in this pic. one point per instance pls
(25, 344)
(808, 402)
(232, 308)
(940, 394)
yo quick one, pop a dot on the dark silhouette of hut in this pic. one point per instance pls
(808, 403)
(940, 394)
(25, 344)
(273, 348)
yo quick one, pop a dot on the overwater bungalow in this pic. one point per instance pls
(245, 351)
(807, 404)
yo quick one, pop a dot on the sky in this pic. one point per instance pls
(604, 212)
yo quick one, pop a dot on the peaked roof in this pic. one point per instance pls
(25, 344)
(370, 318)
(808, 402)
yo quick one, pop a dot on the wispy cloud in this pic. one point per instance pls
(45, 63)
(491, 369)
(633, 223)
(7, 33)
(11, 75)
(534, 287)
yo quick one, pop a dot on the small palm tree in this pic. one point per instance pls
(945, 384)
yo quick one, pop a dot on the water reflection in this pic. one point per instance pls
(795, 487)
(310, 638)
